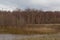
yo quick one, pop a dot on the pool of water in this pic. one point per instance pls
(14, 37)
(18, 37)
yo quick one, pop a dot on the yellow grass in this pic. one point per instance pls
(32, 29)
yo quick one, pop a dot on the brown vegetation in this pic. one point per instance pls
(32, 29)
(20, 19)
(17, 18)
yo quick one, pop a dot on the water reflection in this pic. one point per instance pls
(13, 37)
(18, 37)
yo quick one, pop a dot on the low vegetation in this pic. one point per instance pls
(32, 29)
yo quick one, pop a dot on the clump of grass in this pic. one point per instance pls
(27, 31)
(31, 29)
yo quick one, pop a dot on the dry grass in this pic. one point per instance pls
(32, 29)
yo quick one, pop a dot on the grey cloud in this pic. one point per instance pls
(50, 5)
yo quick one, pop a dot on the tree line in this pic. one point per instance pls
(29, 16)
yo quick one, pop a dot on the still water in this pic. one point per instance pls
(14, 37)
(18, 37)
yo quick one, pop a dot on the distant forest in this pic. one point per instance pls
(29, 16)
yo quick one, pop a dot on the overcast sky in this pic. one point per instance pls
(37, 4)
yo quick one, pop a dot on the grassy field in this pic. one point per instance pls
(31, 29)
